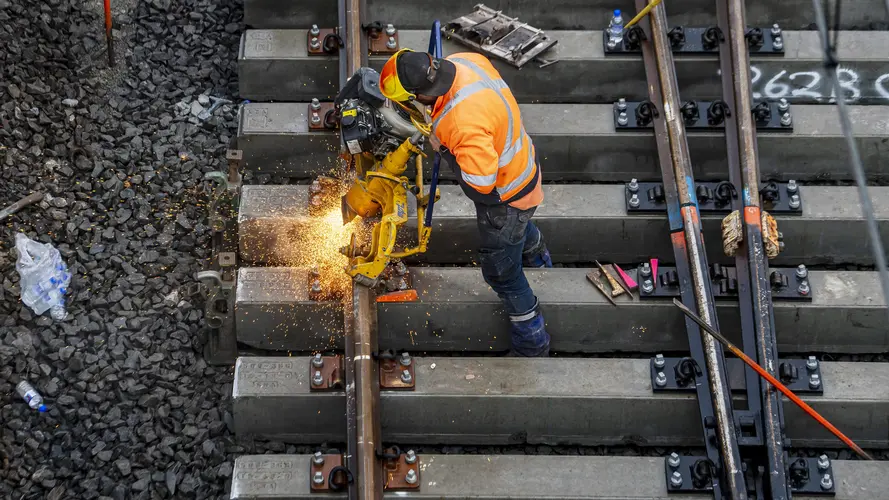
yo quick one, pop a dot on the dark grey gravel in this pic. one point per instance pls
(135, 413)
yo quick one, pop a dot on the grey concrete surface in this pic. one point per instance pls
(831, 229)
(516, 477)
(477, 401)
(456, 312)
(578, 142)
(274, 66)
(564, 14)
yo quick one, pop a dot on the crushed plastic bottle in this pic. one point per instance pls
(616, 27)
(44, 277)
(30, 395)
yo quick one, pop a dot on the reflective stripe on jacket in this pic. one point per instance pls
(479, 122)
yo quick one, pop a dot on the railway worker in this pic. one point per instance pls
(477, 127)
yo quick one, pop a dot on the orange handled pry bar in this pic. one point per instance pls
(108, 38)
(772, 380)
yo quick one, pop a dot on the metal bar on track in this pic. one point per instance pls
(362, 385)
(714, 398)
(757, 318)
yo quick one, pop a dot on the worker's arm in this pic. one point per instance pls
(470, 150)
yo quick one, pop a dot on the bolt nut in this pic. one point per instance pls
(406, 376)
(823, 463)
(661, 379)
(316, 286)
(316, 378)
(786, 119)
(801, 272)
(622, 119)
(783, 105)
(622, 104)
(318, 458)
(315, 31)
(315, 44)
(646, 269)
(814, 381)
(318, 478)
(612, 43)
(318, 361)
(390, 29)
(316, 118)
(400, 269)
(812, 363)
(411, 477)
(405, 359)
(633, 186)
(634, 201)
(647, 286)
(391, 44)
(803, 288)
(776, 29)
(659, 361)
(410, 457)
(316, 105)
(676, 479)
(794, 201)
(777, 43)
(315, 188)
(826, 482)
(673, 460)
(792, 187)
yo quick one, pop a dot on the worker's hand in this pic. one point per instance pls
(436, 144)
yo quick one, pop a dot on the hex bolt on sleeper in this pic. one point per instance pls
(676, 479)
(803, 288)
(410, 457)
(634, 201)
(390, 30)
(792, 186)
(315, 31)
(315, 44)
(646, 269)
(391, 43)
(406, 376)
(801, 272)
(776, 30)
(826, 482)
(661, 379)
(647, 286)
(812, 363)
(823, 463)
(316, 105)
(794, 201)
(786, 119)
(673, 460)
(622, 104)
(777, 43)
(405, 359)
(317, 361)
(814, 381)
(411, 477)
(316, 118)
(622, 119)
(318, 458)
(659, 361)
(633, 186)
(318, 478)
(317, 378)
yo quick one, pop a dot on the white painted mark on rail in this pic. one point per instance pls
(777, 83)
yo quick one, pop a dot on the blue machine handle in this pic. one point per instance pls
(435, 50)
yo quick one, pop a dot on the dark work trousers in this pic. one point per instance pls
(510, 240)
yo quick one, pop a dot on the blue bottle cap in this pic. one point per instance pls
(41, 408)
(616, 12)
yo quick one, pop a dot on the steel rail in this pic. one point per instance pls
(754, 289)
(362, 384)
(712, 390)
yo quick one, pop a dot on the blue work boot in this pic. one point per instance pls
(529, 336)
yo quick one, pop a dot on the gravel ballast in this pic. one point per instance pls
(134, 411)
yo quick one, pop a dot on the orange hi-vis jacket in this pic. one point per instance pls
(479, 122)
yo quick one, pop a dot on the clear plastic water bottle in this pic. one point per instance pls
(616, 27)
(44, 277)
(31, 396)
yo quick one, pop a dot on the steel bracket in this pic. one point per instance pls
(323, 41)
(326, 373)
(811, 476)
(327, 469)
(686, 474)
(715, 197)
(496, 35)
(689, 473)
(802, 376)
(321, 116)
(396, 372)
(786, 283)
(703, 40)
(701, 115)
(402, 473)
(381, 39)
